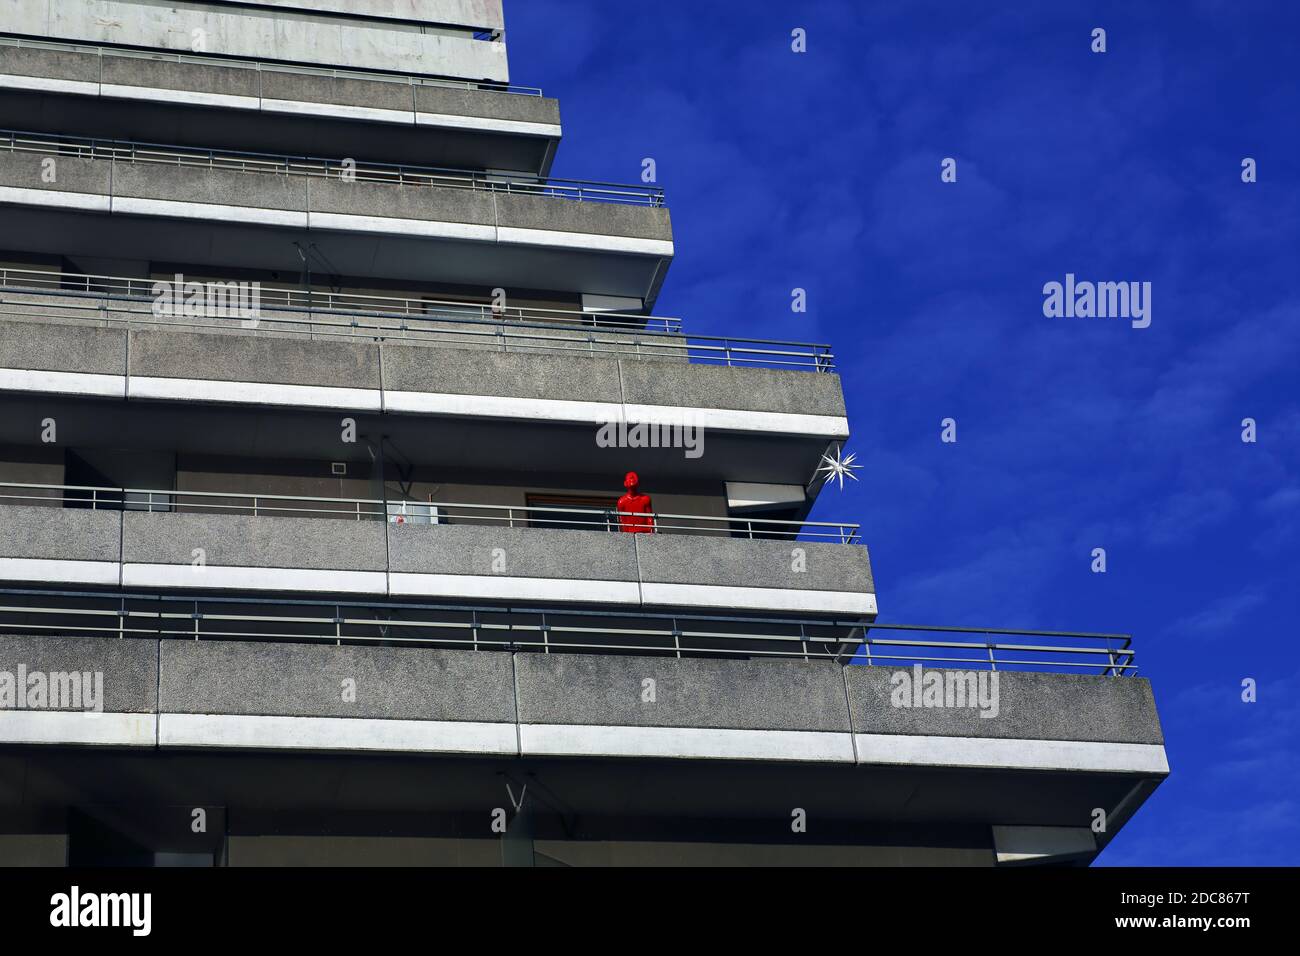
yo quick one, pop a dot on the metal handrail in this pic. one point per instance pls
(215, 59)
(535, 329)
(514, 516)
(126, 288)
(540, 629)
(130, 151)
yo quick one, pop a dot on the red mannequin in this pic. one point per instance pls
(638, 504)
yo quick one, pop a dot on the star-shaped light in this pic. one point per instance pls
(835, 466)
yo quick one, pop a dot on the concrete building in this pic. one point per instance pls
(317, 392)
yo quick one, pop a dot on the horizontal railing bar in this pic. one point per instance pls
(491, 327)
(56, 284)
(456, 512)
(992, 630)
(132, 151)
(527, 628)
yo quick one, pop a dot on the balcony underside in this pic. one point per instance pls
(344, 810)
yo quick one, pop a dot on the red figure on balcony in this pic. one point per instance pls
(640, 520)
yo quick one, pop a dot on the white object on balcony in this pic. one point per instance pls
(749, 494)
(412, 512)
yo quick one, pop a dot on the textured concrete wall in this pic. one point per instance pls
(187, 77)
(343, 91)
(1033, 706)
(281, 32)
(306, 680)
(748, 695)
(524, 109)
(223, 187)
(470, 13)
(86, 177)
(529, 552)
(404, 683)
(255, 85)
(414, 369)
(741, 562)
(290, 197)
(63, 534)
(285, 360)
(52, 64)
(419, 203)
(746, 389)
(232, 540)
(59, 347)
(129, 666)
(600, 218)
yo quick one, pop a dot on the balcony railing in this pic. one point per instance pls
(124, 151)
(363, 306)
(430, 321)
(535, 629)
(265, 67)
(427, 512)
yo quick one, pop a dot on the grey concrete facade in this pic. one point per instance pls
(59, 339)
(275, 199)
(443, 44)
(523, 552)
(799, 565)
(228, 540)
(1031, 705)
(191, 551)
(305, 680)
(425, 121)
(39, 533)
(797, 703)
(129, 668)
(744, 695)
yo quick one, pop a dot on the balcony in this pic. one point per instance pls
(768, 409)
(191, 100)
(660, 720)
(230, 210)
(227, 542)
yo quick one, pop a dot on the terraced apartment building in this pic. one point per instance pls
(317, 395)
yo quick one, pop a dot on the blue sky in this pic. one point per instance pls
(821, 171)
